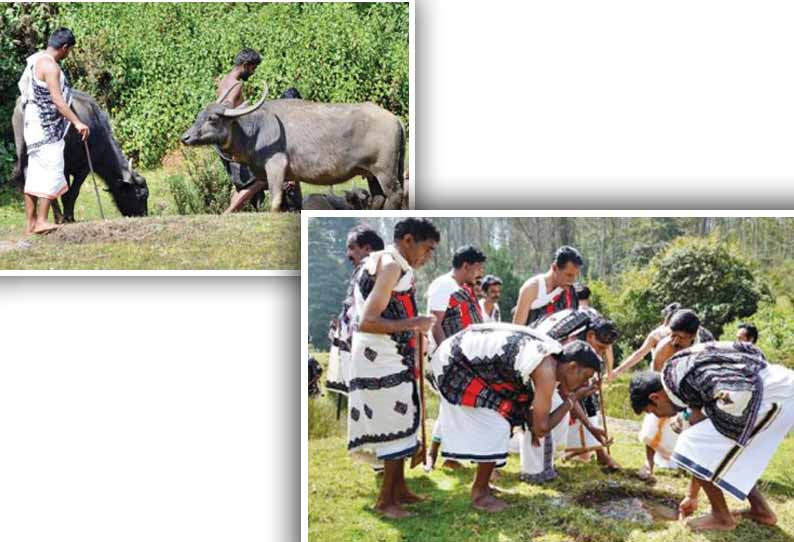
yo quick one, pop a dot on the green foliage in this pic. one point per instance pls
(205, 187)
(329, 274)
(8, 157)
(24, 28)
(702, 274)
(775, 323)
(155, 66)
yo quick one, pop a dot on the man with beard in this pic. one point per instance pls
(552, 291)
(361, 241)
(230, 91)
(383, 392)
(492, 289)
(738, 409)
(493, 377)
(451, 299)
(657, 433)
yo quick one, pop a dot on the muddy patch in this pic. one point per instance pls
(626, 503)
(128, 229)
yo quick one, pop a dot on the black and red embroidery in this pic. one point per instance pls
(564, 300)
(462, 311)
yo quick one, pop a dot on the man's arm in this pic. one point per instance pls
(371, 321)
(545, 381)
(438, 333)
(635, 358)
(528, 294)
(578, 412)
(51, 74)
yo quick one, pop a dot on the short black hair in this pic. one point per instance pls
(364, 235)
(421, 229)
(247, 56)
(292, 94)
(670, 310)
(467, 254)
(685, 320)
(582, 353)
(59, 38)
(582, 291)
(605, 330)
(567, 254)
(751, 331)
(490, 280)
(641, 387)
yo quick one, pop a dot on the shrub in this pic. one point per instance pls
(775, 322)
(205, 187)
(156, 65)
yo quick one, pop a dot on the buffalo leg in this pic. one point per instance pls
(276, 169)
(375, 189)
(70, 197)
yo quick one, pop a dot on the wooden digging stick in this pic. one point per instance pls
(419, 455)
(603, 411)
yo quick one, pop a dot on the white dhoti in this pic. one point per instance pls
(711, 456)
(480, 435)
(383, 404)
(657, 433)
(338, 371)
(537, 462)
(45, 177)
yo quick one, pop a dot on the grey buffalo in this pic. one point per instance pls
(316, 143)
(352, 200)
(126, 186)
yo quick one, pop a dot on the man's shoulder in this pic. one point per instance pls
(444, 281)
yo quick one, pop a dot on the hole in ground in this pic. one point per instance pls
(628, 503)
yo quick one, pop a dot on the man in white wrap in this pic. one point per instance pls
(361, 241)
(581, 431)
(492, 290)
(493, 377)
(452, 300)
(46, 97)
(383, 397)
(552, 291)
(737, 407)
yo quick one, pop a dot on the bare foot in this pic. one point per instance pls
(609, 464)
(45, 227)
(764, 518)
(452, 464)
(392, 511)
(710, 522)
(488, 503)
(406, 497)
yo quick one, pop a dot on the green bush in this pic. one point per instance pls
(205, 187)
(155, 66)
(775, 323)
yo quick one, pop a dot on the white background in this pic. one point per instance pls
(168, 408)
(609, 104)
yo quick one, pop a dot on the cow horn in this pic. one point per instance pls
(234, 113)
(231, 88)
(130, 162)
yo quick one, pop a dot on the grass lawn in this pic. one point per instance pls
(163, 240)
(341, 493)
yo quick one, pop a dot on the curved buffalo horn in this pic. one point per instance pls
(130, 162)
(231, 88)
(234, 113)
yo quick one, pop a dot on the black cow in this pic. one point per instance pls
(127, 186)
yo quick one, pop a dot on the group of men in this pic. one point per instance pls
(717, 410)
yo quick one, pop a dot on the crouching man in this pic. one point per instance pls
(735, 411)
(493, 377)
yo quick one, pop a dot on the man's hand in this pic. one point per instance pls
(687, 506)
(82, 129)
(423, 324)
(600, 435)
(583, 392)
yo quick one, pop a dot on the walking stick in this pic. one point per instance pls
(93, 178)
(603, 411)
(338, 405)
(419, 455)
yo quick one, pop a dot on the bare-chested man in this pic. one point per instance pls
(383, 406)
(230, 91)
